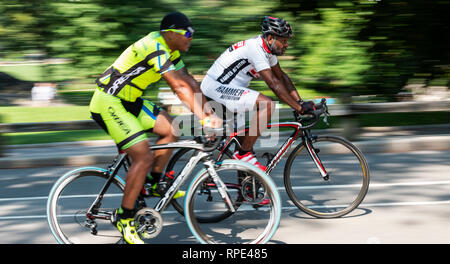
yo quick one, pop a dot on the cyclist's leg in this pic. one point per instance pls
(240, 99)
(264, 108)
(128, 133)
(138, 150)
(163, 128)
(119, 119)
(159, 122)
(142, 158)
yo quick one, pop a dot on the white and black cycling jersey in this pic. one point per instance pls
(241, 62)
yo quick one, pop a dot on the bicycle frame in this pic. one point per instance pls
(298, 132)
(122, 160)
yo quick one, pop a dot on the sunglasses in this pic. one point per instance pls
(188, 33)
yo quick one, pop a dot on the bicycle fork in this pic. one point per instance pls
(221, 187)
(316, 160)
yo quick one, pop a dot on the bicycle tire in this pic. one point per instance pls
(179, 207)
(331, 202)
(233, 227)
(56, 211)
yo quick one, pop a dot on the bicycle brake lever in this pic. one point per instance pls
(325, 119)
(326, 113)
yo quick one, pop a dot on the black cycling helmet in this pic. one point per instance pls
(175, 20)
(276, 27)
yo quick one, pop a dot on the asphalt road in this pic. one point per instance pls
(408, 202)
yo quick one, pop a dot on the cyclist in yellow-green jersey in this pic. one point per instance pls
(140, 65)
(118, 108)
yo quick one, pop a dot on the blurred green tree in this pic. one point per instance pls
(330, 54)
(93, 33)
(394, 42)
(411, 40)
(364, 46)
(24, 27)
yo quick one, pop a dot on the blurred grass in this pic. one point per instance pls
(24, 72)
(56, 136)
(21, 114)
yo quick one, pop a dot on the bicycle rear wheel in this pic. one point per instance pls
(250, 223)
(347, 170)
(68, 203)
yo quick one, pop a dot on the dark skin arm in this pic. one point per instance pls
(196, 87)
(282, 86)
(188, 89)
(281, 75)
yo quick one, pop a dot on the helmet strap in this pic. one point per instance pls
(270, 47)
(273, 43)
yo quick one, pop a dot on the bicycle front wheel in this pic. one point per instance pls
(257, 213)
(314, 194)
(69, 202)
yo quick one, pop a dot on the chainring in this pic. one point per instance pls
(148, 223)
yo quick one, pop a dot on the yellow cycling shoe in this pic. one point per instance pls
(126, 227)
(149, 191)
(179, 194)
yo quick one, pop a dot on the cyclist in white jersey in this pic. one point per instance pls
(228, 79)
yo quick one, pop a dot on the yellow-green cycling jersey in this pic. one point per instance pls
(140, 65)
(117, 106)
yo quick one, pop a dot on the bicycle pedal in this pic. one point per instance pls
(113, 218)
